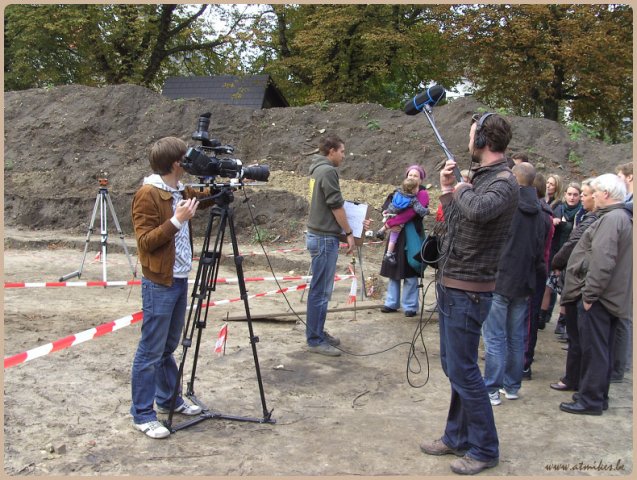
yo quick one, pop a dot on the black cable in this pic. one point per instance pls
(347, 352)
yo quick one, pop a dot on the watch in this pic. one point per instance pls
(348, 234)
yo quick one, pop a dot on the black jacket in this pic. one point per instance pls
(560, 259)
(523, 253)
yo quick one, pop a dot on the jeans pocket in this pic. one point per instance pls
(313, 246)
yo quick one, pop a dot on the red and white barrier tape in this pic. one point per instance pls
(289, 250)
(105, 328)
(123, 283)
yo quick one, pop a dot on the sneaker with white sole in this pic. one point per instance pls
(324, 349)
(509, 395)
(153, 429)
(494, 398)
(184, 409)
(333, 341)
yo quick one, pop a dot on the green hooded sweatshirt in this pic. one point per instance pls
(325, 195)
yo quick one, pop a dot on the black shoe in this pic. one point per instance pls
(387, 310)
(390, 258)
(576, 397)
(527, 374)
(578, 408)
(560, 328)
(410, 313)
(380, 235)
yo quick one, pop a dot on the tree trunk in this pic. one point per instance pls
(550, 109)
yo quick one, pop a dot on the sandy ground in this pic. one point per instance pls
(363, 413)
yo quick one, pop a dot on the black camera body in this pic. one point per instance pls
(204, 161)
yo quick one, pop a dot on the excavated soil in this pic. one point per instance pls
(66, 413)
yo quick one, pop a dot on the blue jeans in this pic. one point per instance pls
(503, 333)
(410, 294)
(470, 423)
(155, 371)
(324, 252)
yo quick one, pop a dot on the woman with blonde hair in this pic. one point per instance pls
(554, 187)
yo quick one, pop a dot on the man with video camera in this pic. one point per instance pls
(478, 217)
(161, 212)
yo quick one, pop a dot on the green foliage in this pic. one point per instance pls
(540, 59)
(575, 159)
(110, 44)
(576, 130)
(356, 53)
(548, 60)
(373, 125)
(323, 106)
(261, 235)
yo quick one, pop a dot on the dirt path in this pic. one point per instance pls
(66, 413)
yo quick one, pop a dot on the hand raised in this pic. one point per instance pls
(186, 209)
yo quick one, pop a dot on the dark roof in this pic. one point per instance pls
(253, 91)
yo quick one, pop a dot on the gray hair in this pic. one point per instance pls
(588, 183)
(611, 183)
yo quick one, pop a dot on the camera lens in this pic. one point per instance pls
(260, 173)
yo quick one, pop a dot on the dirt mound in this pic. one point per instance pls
(58, 140)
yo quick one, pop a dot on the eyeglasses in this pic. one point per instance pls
(475, 118)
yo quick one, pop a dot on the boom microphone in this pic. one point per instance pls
(430, 97)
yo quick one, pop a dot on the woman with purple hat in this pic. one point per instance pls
(400, 269)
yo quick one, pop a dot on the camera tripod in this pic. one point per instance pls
(101, 201)
(205, 283)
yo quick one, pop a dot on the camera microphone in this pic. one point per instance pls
(430, 97)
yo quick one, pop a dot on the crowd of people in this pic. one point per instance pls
(513, 243)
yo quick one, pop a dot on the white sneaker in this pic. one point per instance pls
(508, 395)
(495, 398)
(184, 409)
(153, 429)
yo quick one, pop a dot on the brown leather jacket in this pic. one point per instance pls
(155, 233)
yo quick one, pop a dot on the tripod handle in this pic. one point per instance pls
(77, 274)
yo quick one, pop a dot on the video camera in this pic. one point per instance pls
(202, 161)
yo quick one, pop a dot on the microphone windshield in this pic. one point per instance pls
(430, 97)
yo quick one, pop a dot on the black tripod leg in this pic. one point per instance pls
(238, 259)
(205, 283)
(199, 294)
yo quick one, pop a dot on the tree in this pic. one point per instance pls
(548, 59)
(354, 53)
(113, 44)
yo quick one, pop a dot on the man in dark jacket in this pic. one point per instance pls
(326, 221)
(521, 260)
(478, 218)
(600, 270)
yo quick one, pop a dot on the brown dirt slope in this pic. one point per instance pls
(57, 140)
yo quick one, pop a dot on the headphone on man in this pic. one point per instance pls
(480, 139)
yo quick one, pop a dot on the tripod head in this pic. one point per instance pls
(102, 179)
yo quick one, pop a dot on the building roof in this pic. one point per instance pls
(251, 91)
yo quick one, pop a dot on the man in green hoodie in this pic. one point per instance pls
(327, 220)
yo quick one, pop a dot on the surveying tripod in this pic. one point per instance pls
(205, 284)
(102, 200)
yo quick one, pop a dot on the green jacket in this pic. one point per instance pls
(601, 265)
(325, 195)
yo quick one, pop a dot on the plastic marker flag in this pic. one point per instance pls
(220, 345)
(354, 287)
